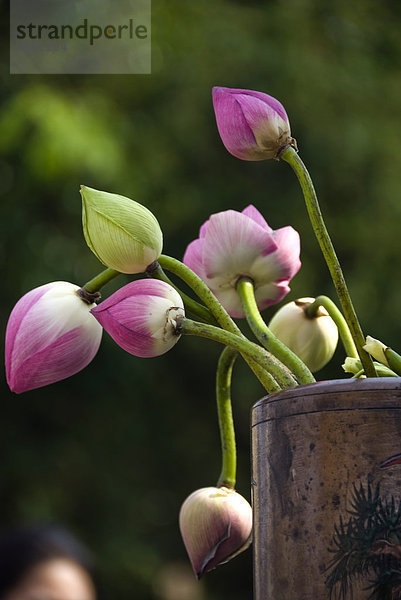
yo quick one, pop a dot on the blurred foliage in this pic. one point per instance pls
(114, 451)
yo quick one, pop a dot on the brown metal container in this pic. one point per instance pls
(326, 468)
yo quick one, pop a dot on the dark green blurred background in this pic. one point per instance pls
(113, 451)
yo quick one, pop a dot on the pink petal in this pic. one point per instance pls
(233, 128)
(229, 298)
(233, 242)
(140, 287)
(287, 254)
(136, 317)
(203, 229)
(280, 265)
(255, 110)
(128, 327)
(270, 293)
(16, 317)
(266, 295)
(265, 98)
(64, 357)
(214, 534)
(50, 336)
(193, 257)
(253, 213)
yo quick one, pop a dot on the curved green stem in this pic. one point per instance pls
(382, 371)
(245, 289)
(241, 344)
(192, 306)
(220, 314)
(225, 417)
(327, 248)
(100, 280)
(201, 290)
(265, 378)
(336, 315)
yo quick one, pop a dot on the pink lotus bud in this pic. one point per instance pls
(216, 525)
(232, 245)
(50, 335)
(252, 125)
(141, 317)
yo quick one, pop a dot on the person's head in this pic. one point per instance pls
(44, 562)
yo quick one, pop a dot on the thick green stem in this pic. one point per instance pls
(100, 280)
(245, 289)
(382, 371)
(192, 306)
(241, 344)
(322, 235)
(201, 290)
(225, 417)
(267, 381)
(336, 315)
(219, 313)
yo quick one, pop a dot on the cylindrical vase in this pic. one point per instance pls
(326, 491)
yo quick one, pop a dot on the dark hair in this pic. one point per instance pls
(24, 547)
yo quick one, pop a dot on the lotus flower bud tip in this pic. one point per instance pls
(50, 335)
(251, 124)
(123, 234)
(216, 525)
(142, 317)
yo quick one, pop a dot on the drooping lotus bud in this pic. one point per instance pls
(216, 525)
(376, 349)
(313, 339)
(235, 244)
(252, 125)
(50, 335)
(123, 234)
(141, 317)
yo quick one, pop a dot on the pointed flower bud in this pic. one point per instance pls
(233, 245)
(252, 125)
(50, 336)
(376, 349)
(123, 234)
(314, 339)
(141, 317)
(216, 525)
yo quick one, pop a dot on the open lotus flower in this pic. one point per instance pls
(233, 245)
(50, 336)
(313, 339)
(141, 317)
(252, 125)
(216, 525)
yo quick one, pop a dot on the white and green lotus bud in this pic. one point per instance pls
(123, 234)
(313, 339)
(376, 349)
